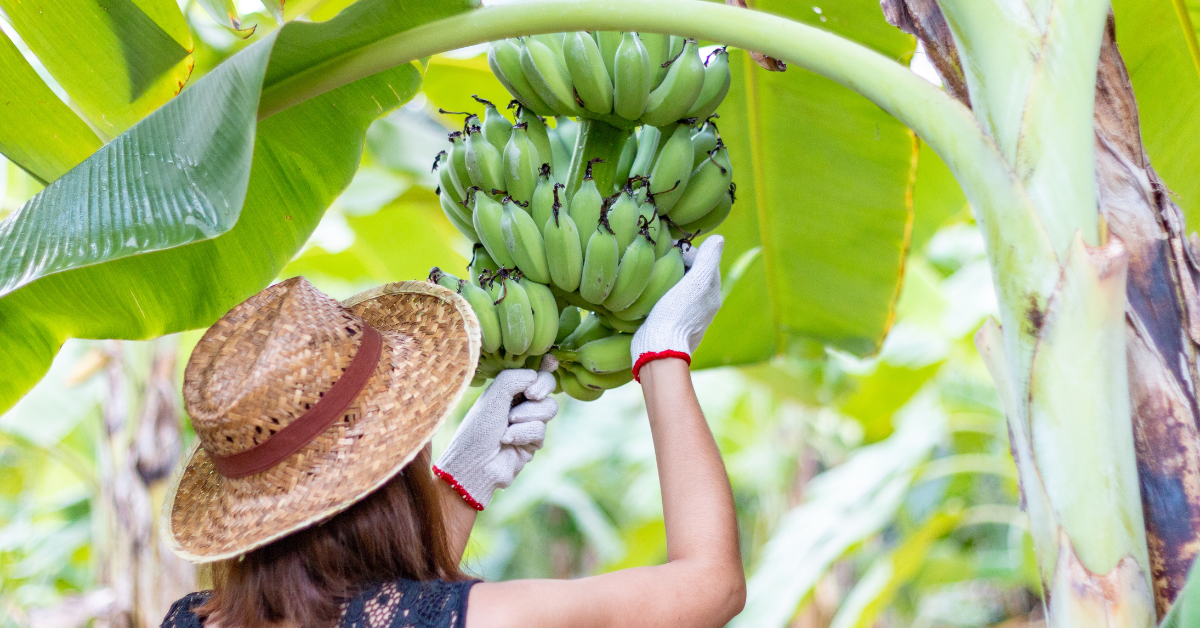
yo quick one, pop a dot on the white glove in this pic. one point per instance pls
(676, 325)
(496, 439)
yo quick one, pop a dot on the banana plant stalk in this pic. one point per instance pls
(1161, 306)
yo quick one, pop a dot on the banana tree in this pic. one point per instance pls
(199, 204)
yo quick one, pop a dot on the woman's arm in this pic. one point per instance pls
(460, 519)
(702, 584)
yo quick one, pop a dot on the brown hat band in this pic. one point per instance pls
(315, 420)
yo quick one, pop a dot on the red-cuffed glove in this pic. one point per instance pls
(496, 438)
(676, 325)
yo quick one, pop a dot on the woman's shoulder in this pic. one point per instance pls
(182, 613)
(419, 603)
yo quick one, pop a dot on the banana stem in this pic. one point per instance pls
(601, 140)
(947, 125)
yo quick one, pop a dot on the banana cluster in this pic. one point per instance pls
(520, 322)
(625, 79)
(565, 262)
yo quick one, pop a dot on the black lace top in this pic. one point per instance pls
(397, 604)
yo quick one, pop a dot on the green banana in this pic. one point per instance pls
(632, 77)
(625, 163)
(606, 355)
(486, 220)
(573, 298)
(674, 97)
(608, 42)
(669, 178)
(655, 227)
(521, 165)
(458, 164)
(545, 317)
(704, 141)
(516, 315)
(535, 130)
(570, 385)
(544, 196)
(553, 41)
(496, 128)
(523, 241)
(643, 160)
(677, 43)
(549, 76)
(606, 381)
(442, 166)
(633, 274)
(480, 262)
(715, 216)
(458, 216)
(658, 49)
(585, 208)
(599, 264)
(563, 252)
(585, 64)
(560, 152)
(589, 329)
(705, 187)
(485, 311)
(568, 321)
(444, 279)
(504, 57)
(568, 130)
(485, 167)
(623, 217)
(667, 272)
(716, 86)
(661, 235)
(618, 325)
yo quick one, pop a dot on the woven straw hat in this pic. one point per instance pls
(303, 406)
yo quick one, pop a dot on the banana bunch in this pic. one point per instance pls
(518, 317)
(625, 79)
(578, 226)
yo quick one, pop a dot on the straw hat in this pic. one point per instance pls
(303, 406)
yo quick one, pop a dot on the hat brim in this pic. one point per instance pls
(431, 348)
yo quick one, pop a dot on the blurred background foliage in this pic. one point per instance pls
(870, 492)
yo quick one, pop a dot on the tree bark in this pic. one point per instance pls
(1163, 312)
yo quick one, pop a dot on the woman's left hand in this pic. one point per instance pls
(498, 437)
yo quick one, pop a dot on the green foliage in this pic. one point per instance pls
(245, 196)
(824, 181)
(1158, 43)
(118, 61)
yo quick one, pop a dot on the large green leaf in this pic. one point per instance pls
(40, 133)
(403, 240)
(198, 206)
(450, 82)
(824, 186)
(1158, 45)
(118, 60)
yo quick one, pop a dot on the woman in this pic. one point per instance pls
(311, 493)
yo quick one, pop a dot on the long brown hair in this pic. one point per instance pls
(398, 531)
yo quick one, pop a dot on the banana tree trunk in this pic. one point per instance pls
(1161, 329)
(140, 446)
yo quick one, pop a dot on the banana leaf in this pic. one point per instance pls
(199, 205)
(117, 60)
(824, 185)
(1158, 42)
